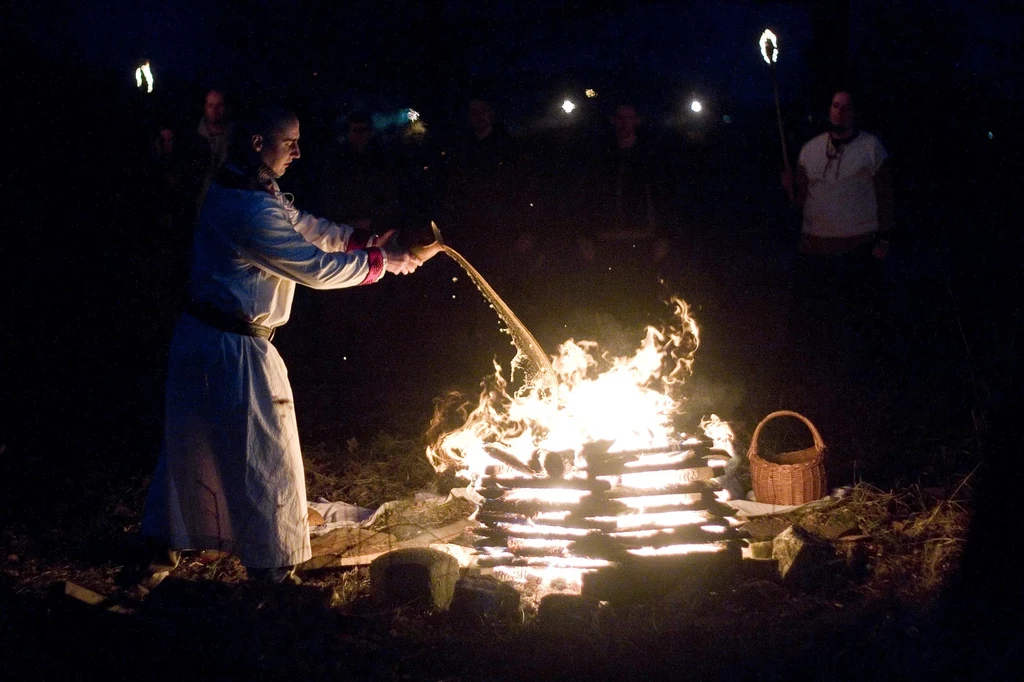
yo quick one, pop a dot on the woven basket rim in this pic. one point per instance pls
(813, 461)
(819, 444)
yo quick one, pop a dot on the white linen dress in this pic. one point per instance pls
(230, 474)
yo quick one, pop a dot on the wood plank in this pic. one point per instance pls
(90, 598)
(364, 554)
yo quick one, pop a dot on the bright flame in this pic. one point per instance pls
(628, 402)
(695, 106)
(720, 433)
(591, 93)
(540, 530)
(568, 106)
(558, 496)
(413, 115)
(655, 501)
(772, 55)
(662, 520)
(659, 480)
(144, 73)
(679, 549)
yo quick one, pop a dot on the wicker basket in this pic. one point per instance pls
(788, 477)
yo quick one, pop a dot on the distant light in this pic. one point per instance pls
(412, 115)
(990, 135)
(726, 118)
(695, 106)
(591, 93)
(766, 38)
(455, 279)
(568, 106)
(144, 73)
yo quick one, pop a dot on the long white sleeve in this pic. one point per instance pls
(324, 234)
(248, 255)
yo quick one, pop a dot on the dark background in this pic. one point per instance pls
(92, 292)
(92, 295)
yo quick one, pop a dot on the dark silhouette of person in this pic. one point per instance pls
(205, 149)
(623, 240)
(484, 191)
(359, 179)
(843, 185)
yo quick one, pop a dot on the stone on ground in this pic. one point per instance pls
(415, 575)
(484, 598)
(804, 559)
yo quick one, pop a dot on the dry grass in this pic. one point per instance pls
(368, 474)
(912, 538)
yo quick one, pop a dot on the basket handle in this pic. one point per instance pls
(819, 444)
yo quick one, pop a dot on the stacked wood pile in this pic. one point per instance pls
(603, 511)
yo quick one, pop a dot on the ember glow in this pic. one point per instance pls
(585, 472)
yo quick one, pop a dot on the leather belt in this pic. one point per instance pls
(218, 319)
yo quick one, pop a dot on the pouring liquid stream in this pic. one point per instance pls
(530, 356)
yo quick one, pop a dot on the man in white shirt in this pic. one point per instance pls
(230, 475)
(843, 185)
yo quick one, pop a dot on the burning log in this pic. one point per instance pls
(701, 470)
(699, 488)
(569, 562)
(509, 483)
(599, 456)
(525, 507)
(509, 460)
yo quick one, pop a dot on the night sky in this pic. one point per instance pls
(411, 51)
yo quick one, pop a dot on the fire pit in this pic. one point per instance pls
(617, 509)
(588, 478)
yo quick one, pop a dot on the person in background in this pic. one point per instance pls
(359, 181)
(843, 185)
(624, 242)
(206, 150)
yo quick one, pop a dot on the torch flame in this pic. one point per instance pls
(771, 55)
(144, 73)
